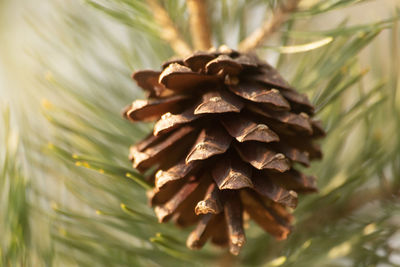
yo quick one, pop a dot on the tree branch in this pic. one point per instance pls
(169, 32)
(279, 16)
(199, 25)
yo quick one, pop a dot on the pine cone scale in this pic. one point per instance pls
(261, 157)
(265, 187)
(223, 65)
(268, 75)
(259, 94)
(165, 211)
(234, 217)
(210, 142)
(198, 61)
(243, 129)
(148, 80)
(176, 172)
(294, 180)
(231, 173)
(171, 121)
(153, 109)
(148, 156)
(218, 102)
(180, 78)
(211, 203)
(263, 217)
(199, 236)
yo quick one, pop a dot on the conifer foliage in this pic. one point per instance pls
(69, 195)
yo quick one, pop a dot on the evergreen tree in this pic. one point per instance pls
(69, 195)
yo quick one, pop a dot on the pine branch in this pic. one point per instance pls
(199, 25)
(102, 217)
(279, 16)
(355, 203)
(169, 32)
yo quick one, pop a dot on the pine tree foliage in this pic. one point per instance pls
(13, 209)
(69, 196)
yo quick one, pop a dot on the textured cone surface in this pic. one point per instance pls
(229, 130)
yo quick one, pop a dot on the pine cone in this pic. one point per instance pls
(229, 130)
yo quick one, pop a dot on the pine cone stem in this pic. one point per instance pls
(199, 26)
(169, 32)
(279, 16)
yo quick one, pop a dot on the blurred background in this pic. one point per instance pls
(69, 196)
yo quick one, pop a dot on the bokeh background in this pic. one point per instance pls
(68, 194)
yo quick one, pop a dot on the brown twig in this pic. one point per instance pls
(199, 25)
(279, 16)
(169, 32)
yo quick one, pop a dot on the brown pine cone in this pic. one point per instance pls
(229, 129)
